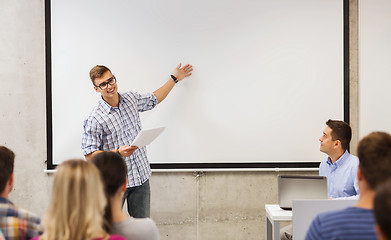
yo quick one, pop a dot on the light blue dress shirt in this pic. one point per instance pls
(341, 176)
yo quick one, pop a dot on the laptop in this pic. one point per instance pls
(304, 211)
(291, 187)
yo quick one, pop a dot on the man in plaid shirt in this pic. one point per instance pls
(15, 223)
(115, 122)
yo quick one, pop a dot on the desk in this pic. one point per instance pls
(274, 215)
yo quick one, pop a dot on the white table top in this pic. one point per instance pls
(275, 213)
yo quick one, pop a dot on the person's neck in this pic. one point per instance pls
(5, 194)
(116, 209)
(114, 101)
(336, 155)
(366, 199)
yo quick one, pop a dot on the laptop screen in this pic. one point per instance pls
(291, 187)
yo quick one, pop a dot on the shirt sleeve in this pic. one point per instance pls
(146, 101)
(355, 179)
(92, 136)
(314, 230)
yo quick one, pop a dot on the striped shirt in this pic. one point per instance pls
(108, 128)
(17, 223)
(349, 223)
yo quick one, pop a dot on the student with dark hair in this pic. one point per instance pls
(382, 210)
(374, 153)
(113, 172)
(15, 223)
(340, 167)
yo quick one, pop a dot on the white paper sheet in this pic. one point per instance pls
(145, 137)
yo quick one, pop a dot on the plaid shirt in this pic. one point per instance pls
(17, 223)
(108, 128)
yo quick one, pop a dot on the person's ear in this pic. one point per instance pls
(379, 233)
(337, 143)
(10, 182)
(359, 174)
(124, 185)
(96, 89)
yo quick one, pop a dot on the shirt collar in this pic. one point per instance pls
(5, 201)
(106, 107)
(340, 160)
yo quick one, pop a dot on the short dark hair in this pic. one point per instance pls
(97, 72)
(374, 154)
(7, 158)
(113, 170)
(382, 208)
(340, 131)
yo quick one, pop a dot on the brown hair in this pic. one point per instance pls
(97, 72)
(340, 131)
(6, 166)
(374, 153)
(113, 170)
(382, 208)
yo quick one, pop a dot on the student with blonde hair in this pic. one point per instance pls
(77, 204)
(114, 171)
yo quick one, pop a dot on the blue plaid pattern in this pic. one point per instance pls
(108, 128)
(17, 223)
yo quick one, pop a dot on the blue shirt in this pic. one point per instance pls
(108, 128)
(341, 176)
(349, 223)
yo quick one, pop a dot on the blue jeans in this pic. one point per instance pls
(139, 200)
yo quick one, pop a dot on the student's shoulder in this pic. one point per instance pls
(28, 215)
(128, 95)
(116, 237)
(351, 157)
(98, 112)
(341, 217)
(10, 210)
(353, 161)
(137, 228)
(143, 221)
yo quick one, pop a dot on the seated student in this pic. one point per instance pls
(77, 204)
(382, 211)
(15, 223)
(114, 172)
(340, 167)
(374, 153)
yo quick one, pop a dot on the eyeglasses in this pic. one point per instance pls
(104, 85)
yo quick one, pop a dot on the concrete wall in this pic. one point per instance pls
(216, 205)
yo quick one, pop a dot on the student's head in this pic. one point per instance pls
(337, 135)
(382, 210)
(374, 154)
(104, 81)
(6, 168)
(77, 203)
(97, 72)
(114, 172)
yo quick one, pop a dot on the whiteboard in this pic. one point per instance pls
(375, 71)
(267, 74)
